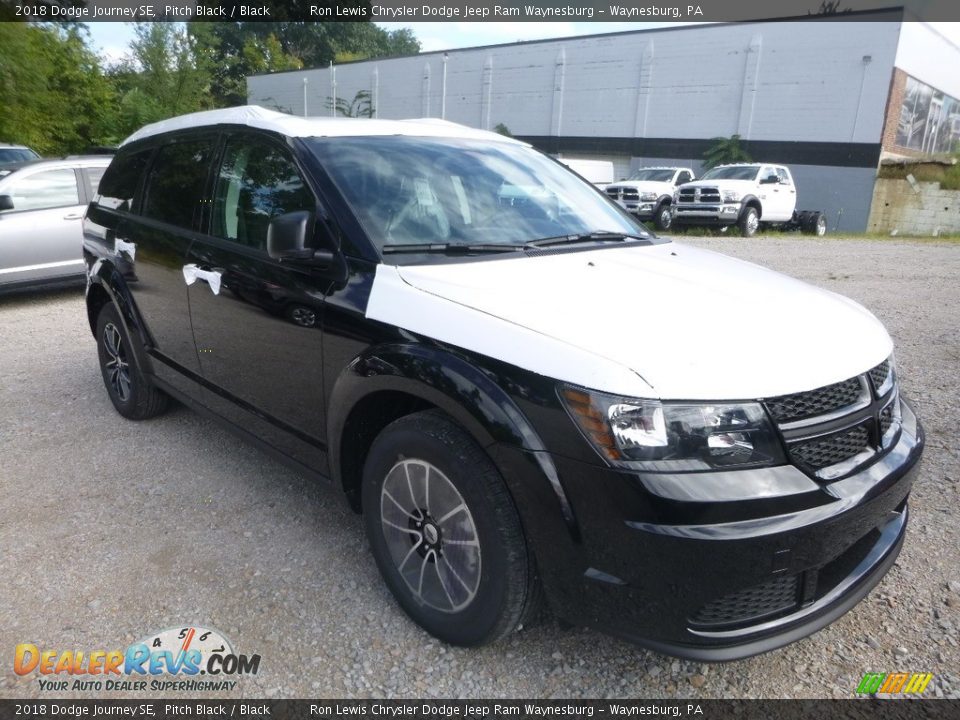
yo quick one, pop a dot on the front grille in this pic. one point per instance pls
(699, 195)
(623, 194)
(821, 401)
(822, 452)
(777, 596)
(879, 374)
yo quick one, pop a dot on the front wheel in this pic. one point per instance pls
(662, 217)
(445, 533)
(749, 222)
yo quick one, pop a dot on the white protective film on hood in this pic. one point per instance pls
(667, 321)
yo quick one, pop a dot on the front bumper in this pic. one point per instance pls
(720, 567)
(704, 214)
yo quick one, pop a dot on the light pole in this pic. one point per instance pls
(443, 89)
(305, 97)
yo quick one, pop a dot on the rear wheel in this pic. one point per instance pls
(130, 391)
(815, 223)
(445, 533)
(749, 222)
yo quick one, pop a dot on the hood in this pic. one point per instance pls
(644, 185)
(693, 324)
(744, 184)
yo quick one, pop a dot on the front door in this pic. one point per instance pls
(257, 322)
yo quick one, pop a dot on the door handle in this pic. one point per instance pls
(191, 273)
(73, 216)
(122, 246)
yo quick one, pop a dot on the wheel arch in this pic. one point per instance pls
(106, 285)
(754, 202)
(388, 382)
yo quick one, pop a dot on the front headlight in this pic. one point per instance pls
(731, 196)
(674, 437)
(648, 196)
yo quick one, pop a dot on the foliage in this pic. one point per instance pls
(724, 151)
(59, 97)
(947, 175)
(55, 96)
(360, 107)
(237, 50)
(502, 129)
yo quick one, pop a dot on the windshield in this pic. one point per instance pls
(732, 172)
(14, 155)
(652, 175)
(453, 191)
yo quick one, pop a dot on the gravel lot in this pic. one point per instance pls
(111, 530)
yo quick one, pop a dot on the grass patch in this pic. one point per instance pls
(947, 175)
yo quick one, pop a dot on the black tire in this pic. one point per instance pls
(814, 223)
(749, 222)
(130, 391)
(662, 217)
(498, 589)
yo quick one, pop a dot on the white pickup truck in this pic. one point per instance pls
(748, 195)
(648, 192)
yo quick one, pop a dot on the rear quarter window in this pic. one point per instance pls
(120, 183)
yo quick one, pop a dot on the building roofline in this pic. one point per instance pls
(896, 12)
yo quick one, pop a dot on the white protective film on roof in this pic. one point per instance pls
(292, 126)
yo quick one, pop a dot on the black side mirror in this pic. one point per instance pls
(6, 202)
(770, 180)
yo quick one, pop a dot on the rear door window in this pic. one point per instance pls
(176, 183)
(47, 189)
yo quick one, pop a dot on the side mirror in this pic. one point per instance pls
(6, 202)
(770, 180)
(287, 239)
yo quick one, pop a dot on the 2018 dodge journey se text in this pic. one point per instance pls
(525, 394)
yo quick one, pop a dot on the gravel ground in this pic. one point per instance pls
(111, 530)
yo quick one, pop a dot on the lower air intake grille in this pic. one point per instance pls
(823, 452)
(776, 596)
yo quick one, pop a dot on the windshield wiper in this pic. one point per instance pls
(449, 248)
(596, 236)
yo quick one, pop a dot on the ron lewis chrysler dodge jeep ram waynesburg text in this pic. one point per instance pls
(524, 393)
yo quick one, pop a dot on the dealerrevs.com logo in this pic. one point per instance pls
(173, 659)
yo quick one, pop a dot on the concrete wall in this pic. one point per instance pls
(922, 208)
(797, 81)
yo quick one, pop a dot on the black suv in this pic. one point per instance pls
(525, 393)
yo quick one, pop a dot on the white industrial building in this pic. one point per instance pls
(826, 97)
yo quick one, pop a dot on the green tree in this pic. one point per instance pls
(163, 76)
(724, 151)
(237, 50)
(55, 96)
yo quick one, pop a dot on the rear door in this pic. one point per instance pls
(41, 237)
(152, 246)
(256, 322)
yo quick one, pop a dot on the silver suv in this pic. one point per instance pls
(41, 208)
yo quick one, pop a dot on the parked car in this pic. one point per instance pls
(15, 154)
(648, 192)
(41, 209)
(597, 172)
(747, 195)
(525, 394)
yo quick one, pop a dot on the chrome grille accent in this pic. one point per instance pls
(699, 195)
